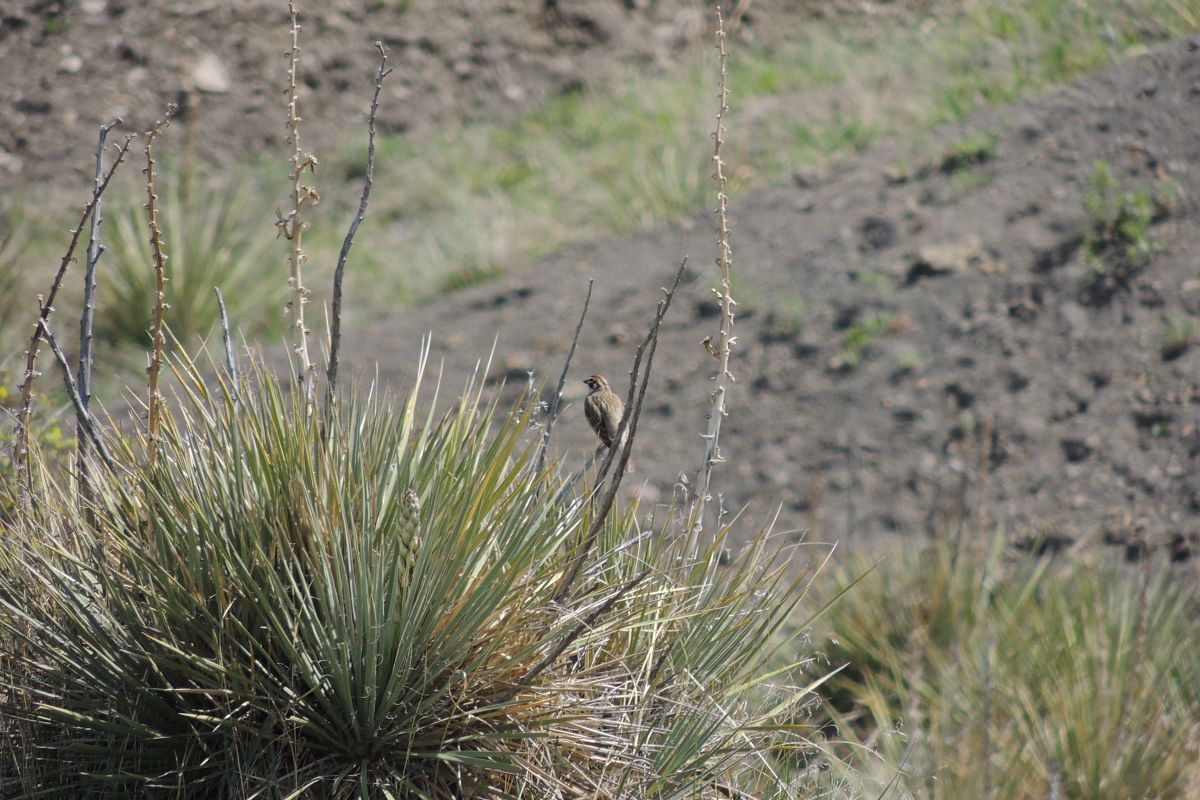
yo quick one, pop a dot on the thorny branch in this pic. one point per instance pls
(21, 443)
(292, 226)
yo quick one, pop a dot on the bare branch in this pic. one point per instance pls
(227, 339)
(157, 341)
(552, 414)
(87, 318)
(85, 418)
(335, 332)
(21, 444)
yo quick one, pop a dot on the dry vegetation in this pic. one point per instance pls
(243, 595)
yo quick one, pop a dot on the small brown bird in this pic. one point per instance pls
(603, 410)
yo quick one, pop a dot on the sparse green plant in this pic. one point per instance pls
(910, 359)
(784, 322)
(876, 280)
(977, 148)
(1116, 239)
(1178, 337)
(468, 276)
(858, 338)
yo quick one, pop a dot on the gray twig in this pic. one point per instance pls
(86, 420)
(335, 327)
(227, 339)
(87, 318)
(552, 414)
(629, 421)
(21, 445)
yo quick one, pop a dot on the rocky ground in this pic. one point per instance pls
(925, 341)
(70, 65)
(921, 348)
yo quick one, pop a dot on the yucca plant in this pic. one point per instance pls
(981, 674)
(377, 607)
(213, 237)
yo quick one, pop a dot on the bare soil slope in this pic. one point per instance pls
(69, 65)
(1000, 376)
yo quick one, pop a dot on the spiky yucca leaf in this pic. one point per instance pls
(272, 611)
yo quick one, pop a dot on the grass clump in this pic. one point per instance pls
(1178, 337)
(979, 675)
(1116, 239)
(859, 337)
(373, 609)
(978, 148)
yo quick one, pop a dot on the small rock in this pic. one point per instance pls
(94, 7)
(209, 75)
(1075, 450)
(945, 258)
(10, 163)
(1189, 296)
(70, 64)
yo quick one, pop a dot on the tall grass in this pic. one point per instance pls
(373, 610)
(989, 675)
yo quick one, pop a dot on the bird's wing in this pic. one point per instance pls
(613, 411)
(595, 417)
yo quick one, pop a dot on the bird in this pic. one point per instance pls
(604, 411)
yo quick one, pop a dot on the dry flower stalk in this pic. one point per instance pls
(292, 226)
(725, 340)
(157, 341)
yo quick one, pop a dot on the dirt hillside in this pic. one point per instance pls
(72, 64)
(923, 339)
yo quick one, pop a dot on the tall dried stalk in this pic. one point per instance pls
(87, 319)
(292, 226)
(335, 326)
(725, 339)
(21, 442)
(153, 396)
